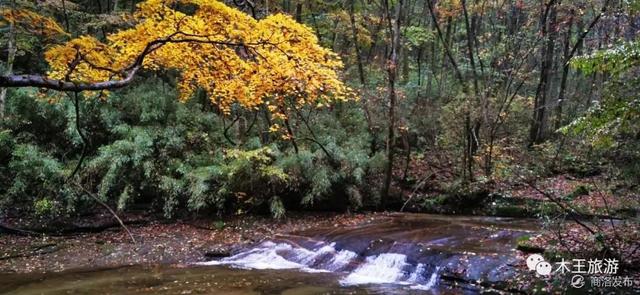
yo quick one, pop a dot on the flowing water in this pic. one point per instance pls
(401, 254)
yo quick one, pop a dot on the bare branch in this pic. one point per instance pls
(93, 196)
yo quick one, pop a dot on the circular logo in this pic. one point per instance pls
(577, 281)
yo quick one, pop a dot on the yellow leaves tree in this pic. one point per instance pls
(31, 22)
(234, 58)
(449, 8)
(22, 22)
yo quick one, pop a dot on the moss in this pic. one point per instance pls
(528, 248)
(430, 203)
(441, 199)
(548, 208)
(108, 248)
(219, 224)
(511, 211)
(580, 190)
(524, 244)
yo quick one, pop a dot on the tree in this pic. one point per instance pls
(11, 55)
(27, 22)
(392, 73)
(227, 53)
(548, 30)
(619, 112)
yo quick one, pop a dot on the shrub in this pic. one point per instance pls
(38, 183)
(242, 180)
(146, 149)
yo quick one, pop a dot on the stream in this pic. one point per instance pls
(398, 254)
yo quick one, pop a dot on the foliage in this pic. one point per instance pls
(32, 22)
(7, 144)
(239, 111)
(143, 159)
(234, 107)
(252, 63)
(39, 177)
(247, 178)
(602, 123)
(618, 113)
(145, 148)
(615, 60)
(417, 36)
(36, 120)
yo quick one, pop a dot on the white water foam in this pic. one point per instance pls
(307, 257)
(341, 259)
(269, 255)
(381, 269)
(386, 268)
(389, 268)
(416, 274)
(433, 279)
(264, 256)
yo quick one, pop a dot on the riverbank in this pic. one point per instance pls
(158, 242)
(477, 252)
(355, 252)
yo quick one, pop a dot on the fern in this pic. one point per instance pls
(276, 207)
(39, 177)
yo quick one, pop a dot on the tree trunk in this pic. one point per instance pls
(471, 130)
(290, 133)
(314, 21)
(66, 16)
(407, 162)
(242, 130)
(565, 75)
(299, 12)
(11, 48)
(470, 51)
(392, 71)
(548, 31)
(286, 6)
(376, 32)
(513, 22)
(419, 65)
(445, 44)
(356, 46)
(334, 39)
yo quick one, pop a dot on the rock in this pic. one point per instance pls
(217, 253)
(526, 248)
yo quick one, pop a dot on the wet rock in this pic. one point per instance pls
(527, 248)
(406, 249)
(217, 253)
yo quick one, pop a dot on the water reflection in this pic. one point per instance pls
(402, 254)
(191, 280)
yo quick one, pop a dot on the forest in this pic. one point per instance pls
(253, 146)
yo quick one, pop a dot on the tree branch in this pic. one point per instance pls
(128, 73)
(60, 85)
(93, 196)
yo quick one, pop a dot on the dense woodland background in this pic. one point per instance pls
(456, 104)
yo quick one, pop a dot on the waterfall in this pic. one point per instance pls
(407, 251)
(384, 268)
